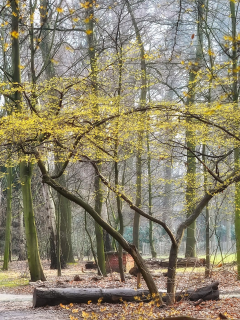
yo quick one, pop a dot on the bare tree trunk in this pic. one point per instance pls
(191, 139)
(22, 241)
(7, 247)
(51, 222)
(171, 286)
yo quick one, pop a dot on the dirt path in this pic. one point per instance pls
(33, 315)
(19, 307)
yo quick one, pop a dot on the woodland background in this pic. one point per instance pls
(128, 109)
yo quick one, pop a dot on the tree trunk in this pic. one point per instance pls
(22, 245)
(171, 275)
(64, 207)
(136, 220)
(98, 228)
(190, 138)
(120, 218)
(151, 241)
(143, 96)
(51, 222)
(207, 268)
(7, 246)
(97, 183)
(34, 262)
(236, 150)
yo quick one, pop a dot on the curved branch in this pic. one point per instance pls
(131, 205)
(234, 177)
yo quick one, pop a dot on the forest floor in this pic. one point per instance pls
(16, 281)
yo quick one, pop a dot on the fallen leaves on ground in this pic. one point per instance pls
(227, 277)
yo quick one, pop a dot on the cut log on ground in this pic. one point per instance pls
(181, 262)
(209, 292)
(55, 296)
(90, 265)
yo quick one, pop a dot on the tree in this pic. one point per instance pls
(26, 167)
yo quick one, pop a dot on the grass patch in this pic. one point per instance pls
(12, 279)
(10, 283)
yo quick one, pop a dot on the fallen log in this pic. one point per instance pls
(209, 292)
(181, 262)
(90, 265)
(55, 296)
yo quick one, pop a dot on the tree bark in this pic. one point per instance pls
(190, 139)
(22, 251)
(55, 296)
(97, 183)
(34, 262)
(235, 99)
(7, 246)
(51, 221)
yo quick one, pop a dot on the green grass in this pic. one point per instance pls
(12, 279)
(225, 258)
(10, 283)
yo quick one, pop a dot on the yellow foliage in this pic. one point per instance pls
(59, 10)
(15, 34)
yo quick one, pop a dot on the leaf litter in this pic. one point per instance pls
(76, 276)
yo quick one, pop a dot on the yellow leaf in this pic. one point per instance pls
(211, 53)
(59, 9)
(69, 49)
(75, 19)
(228, 38)
(15, 34)
(88, 31)
(85, 5)
(54, 61)
(74, 310)
(6, 45)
